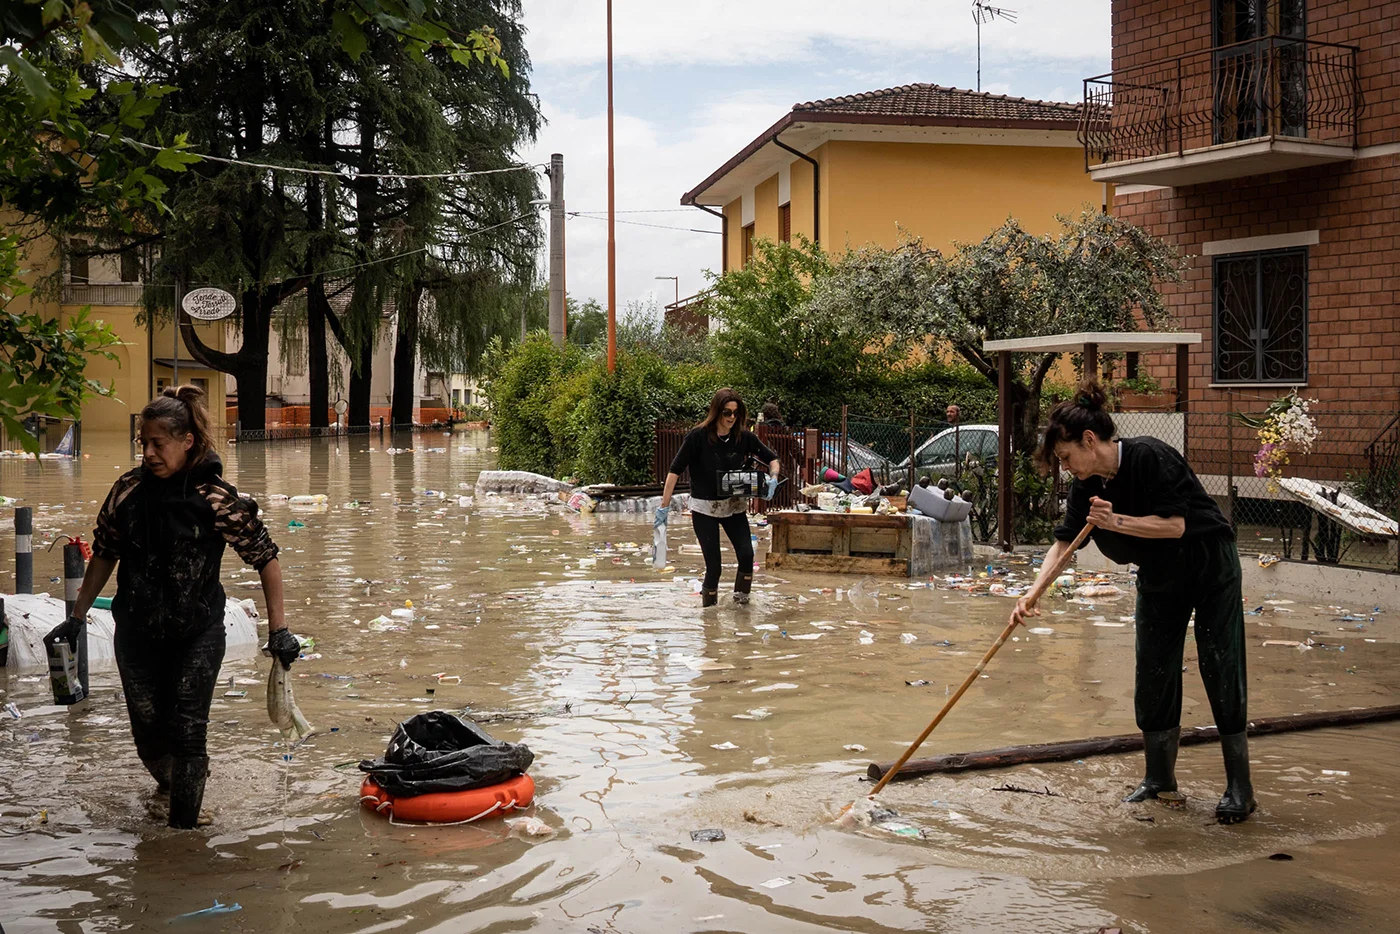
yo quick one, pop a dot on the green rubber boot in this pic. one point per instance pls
(187, 777)
(1159, 748)
(1238, 801)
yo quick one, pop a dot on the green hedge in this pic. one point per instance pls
(561, 413)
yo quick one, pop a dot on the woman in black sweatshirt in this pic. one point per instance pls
(163, 529)
(712, 451)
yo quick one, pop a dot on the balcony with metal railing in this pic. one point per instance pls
(103, 293)
(1264, 105)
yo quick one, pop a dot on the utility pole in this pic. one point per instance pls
(612, 239)
(558, 321)
(175, 326)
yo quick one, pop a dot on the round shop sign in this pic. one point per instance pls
(209, 304)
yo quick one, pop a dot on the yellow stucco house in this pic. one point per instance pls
(146, 356)
(942, 163)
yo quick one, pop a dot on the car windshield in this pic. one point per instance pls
(956, 445)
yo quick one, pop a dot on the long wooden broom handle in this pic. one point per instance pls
(1036, 593)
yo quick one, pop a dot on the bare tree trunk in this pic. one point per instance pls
(317, 362)
(406, 358)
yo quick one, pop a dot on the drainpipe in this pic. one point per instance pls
(816, 187)
(724, 235)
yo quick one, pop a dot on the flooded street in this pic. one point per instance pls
(650, 719)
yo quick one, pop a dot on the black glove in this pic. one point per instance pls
(284, 647)
(68, 630)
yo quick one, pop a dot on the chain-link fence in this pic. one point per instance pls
(1334, 505)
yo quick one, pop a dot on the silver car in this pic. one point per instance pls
(949, 448)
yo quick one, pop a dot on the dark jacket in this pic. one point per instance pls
(168, 537)
(705, 458)
(1153, 479)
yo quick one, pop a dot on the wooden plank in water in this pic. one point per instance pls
(838, 520)
(836, 564)
(1130, 742)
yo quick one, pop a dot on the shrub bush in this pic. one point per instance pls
(522, 384)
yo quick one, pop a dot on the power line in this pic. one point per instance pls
(646, 211)
(386, 259)
(336, 173)
(591, 217)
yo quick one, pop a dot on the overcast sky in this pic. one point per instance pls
(695, 81)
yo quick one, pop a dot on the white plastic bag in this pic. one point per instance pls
(658, 546)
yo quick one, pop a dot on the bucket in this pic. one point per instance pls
(64, 671)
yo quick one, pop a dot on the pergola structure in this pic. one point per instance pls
(1088, 344)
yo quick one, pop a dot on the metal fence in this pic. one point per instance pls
(51, 434)
(1355, 460)
(1276, 86)
(1354, 463)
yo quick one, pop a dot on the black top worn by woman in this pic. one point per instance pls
(1153, 479)
(706, 458)
(168, 536)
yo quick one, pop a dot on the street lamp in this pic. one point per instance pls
(677, 281)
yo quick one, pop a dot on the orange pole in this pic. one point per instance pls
(612, 241)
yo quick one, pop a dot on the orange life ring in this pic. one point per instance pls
(451, 807)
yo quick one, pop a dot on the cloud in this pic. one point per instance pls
(696, 81)
(731, 33)
(654, 166)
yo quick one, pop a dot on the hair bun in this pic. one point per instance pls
(1091, 396)
(189, 394)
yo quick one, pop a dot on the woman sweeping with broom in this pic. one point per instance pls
(1147, 508)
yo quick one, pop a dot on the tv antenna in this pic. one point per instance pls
(983, 12)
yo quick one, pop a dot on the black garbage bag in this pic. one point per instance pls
(438, 751)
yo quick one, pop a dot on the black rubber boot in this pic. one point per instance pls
(160, 771)
(1238, 801)
(742, 584)
(1159, 749)
(708, 598)
(187, 775)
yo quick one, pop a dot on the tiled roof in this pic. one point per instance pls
(933, 100)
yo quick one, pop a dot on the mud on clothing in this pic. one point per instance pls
(168, 537)
(1199, 572)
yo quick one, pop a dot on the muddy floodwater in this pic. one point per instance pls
(650, 719)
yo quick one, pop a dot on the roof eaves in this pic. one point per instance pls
(818, 116)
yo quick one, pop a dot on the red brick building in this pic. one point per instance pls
(1262, 137)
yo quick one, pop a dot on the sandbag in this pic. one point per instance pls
(439, 751)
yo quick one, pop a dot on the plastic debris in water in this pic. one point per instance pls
(282, 707)
(707, 836)
(917, 683)
(296, 524)
(530, 827)
(776, 883)
(908, 637)
(853, 747)
(218, 908)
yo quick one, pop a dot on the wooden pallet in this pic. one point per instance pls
(839, 543)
